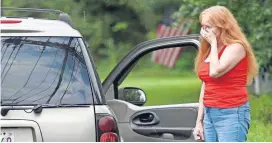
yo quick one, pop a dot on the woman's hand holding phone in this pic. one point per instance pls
(199, 132)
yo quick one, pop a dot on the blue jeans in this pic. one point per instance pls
(226, 124)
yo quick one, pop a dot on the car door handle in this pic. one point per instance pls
(145, 119)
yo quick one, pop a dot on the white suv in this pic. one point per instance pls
(50, 90)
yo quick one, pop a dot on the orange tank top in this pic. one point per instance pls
(227, 91)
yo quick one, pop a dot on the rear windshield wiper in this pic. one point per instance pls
(37, 108)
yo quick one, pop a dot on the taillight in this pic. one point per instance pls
(107, 128)
(9, 21)
(107, 124)
(109, 137)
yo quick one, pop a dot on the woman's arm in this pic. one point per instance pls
(201, 106)
(231, 56)
(199, 131)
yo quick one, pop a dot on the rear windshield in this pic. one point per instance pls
(43, 70)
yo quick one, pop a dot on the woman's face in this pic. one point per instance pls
(206, 25)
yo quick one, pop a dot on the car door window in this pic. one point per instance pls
(164, 85)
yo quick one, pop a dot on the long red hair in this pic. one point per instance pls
(222, 18)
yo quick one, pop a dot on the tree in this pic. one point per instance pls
(111, 27)
(121, 24)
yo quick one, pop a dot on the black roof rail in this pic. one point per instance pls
(62, 15)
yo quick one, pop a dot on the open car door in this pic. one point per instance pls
(163, 123)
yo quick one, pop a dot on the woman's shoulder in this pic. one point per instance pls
(235, 48)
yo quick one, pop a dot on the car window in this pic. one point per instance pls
(164, 84)
(43, 70)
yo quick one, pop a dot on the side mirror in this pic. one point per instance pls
(132, 95)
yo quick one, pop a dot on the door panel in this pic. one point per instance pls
(175, 123)
(168, 123)
(179, 115)
(162, 123)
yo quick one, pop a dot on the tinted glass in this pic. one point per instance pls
(43, 70)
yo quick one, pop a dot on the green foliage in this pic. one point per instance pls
(121, 21)
(259, 131)
(125, 23)
(263, 111)
(120, 26)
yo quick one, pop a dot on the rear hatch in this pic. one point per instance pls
(64, 124)
(47, 73)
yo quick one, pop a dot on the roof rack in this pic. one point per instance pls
(62, 15)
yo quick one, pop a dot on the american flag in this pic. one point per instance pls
(168, 57)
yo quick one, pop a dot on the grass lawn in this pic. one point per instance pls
(168, 90)
(176, 90)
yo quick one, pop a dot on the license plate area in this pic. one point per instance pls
(7, 136)
(23, 134)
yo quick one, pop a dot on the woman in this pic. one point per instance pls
(226, 64)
